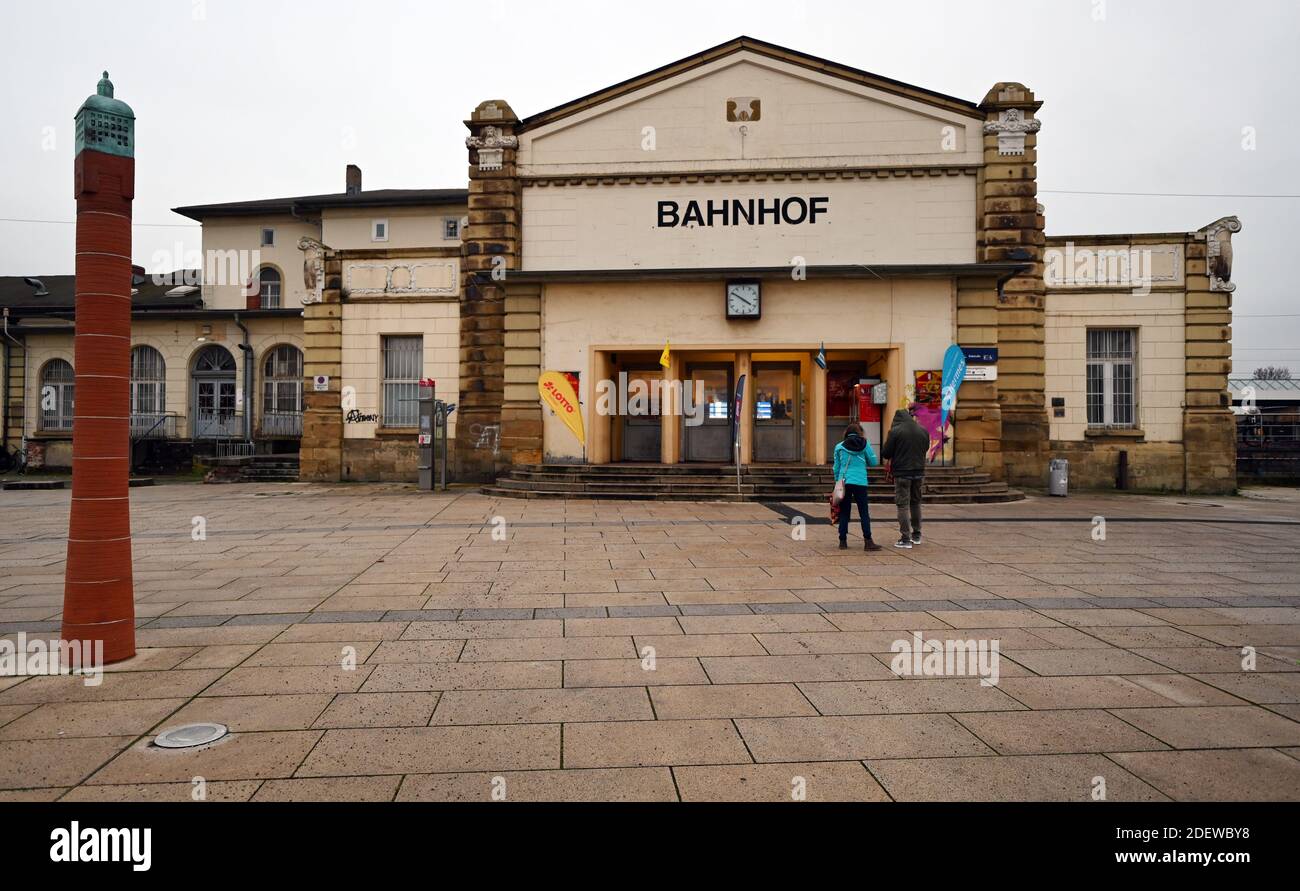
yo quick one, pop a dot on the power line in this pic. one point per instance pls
(1160, 194)
(74, 222)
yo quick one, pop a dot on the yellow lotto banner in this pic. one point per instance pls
(558, 393)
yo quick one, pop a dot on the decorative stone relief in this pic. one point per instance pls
(491, 147)
(434, 277)
(1011, 128)
(1218, 253)
(313, 268)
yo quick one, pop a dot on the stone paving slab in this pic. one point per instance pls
(375, 643)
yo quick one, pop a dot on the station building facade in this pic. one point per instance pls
(624, 220)
(763, 213)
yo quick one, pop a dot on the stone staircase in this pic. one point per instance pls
(270, 469)
(694, 482)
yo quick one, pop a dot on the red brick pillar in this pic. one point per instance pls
(98, 592)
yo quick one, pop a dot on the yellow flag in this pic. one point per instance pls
(663, 357)
(558, 393)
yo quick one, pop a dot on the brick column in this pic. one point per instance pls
(1209, 428)
(321, 449)
(490, 247)
(1011, 229)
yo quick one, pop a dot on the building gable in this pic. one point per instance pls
(748, 110)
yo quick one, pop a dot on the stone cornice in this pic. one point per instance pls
(742, 176)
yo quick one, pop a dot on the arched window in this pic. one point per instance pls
(213, 359)
(58, 384)
(282, 381)
(148, 382)
(268, 285)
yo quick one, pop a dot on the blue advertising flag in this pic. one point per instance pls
(820, 358)
(735, 414)
(954, 369)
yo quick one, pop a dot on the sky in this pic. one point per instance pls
(245, 99)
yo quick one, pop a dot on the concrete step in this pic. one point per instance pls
(817, 504)
(759, 482)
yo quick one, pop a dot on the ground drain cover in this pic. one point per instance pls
(190, 735)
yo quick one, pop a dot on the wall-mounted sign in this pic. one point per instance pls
(980, 355)
(743, 212)
(981, 373)
(320, 383)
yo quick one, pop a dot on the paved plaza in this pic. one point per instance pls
(372, 642)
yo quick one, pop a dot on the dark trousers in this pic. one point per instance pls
(854, 495)
(907, 497)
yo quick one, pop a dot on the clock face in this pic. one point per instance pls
(743, 300)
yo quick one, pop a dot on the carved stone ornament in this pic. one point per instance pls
(1011, 128)
(313, 268)
(491, 147)
(1218, 253)
(492, 138)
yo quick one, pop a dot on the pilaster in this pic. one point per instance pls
(1011, 230)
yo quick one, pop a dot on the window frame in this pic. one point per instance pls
(400, 389)
(262, 299)
(156, 387)
(374, 229)
(452, 222)
(265, 230)
(276, 386)
(1104, 409)
(66, 390)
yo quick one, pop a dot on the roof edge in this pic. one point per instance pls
(771, 50)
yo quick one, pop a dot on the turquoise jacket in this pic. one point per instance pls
(851, 466)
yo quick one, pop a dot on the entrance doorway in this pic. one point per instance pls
(709, 440)
(213, 394)
(842, 408)
(640, 426)
(777, 426)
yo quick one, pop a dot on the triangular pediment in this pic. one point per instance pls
(748, 105)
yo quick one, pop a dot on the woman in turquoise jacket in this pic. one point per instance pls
(852, 457)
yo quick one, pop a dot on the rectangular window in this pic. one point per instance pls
(379, 230)
(1111, 397)
(451, 228)
(268, 237)
(403, 368)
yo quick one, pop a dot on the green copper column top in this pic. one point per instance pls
(106, 124)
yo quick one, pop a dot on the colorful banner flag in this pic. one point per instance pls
(663, 357)
(558, 393)
(954, 370)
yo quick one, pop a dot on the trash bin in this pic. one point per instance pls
(1058, 477)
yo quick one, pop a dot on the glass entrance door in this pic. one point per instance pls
(214, 407)
(708, 435)
(640, 426)
(776, 413)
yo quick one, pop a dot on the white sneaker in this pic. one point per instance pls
(905, 543)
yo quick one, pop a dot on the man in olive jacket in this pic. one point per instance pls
(905, 449)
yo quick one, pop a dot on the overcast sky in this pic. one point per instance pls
(243, 99)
